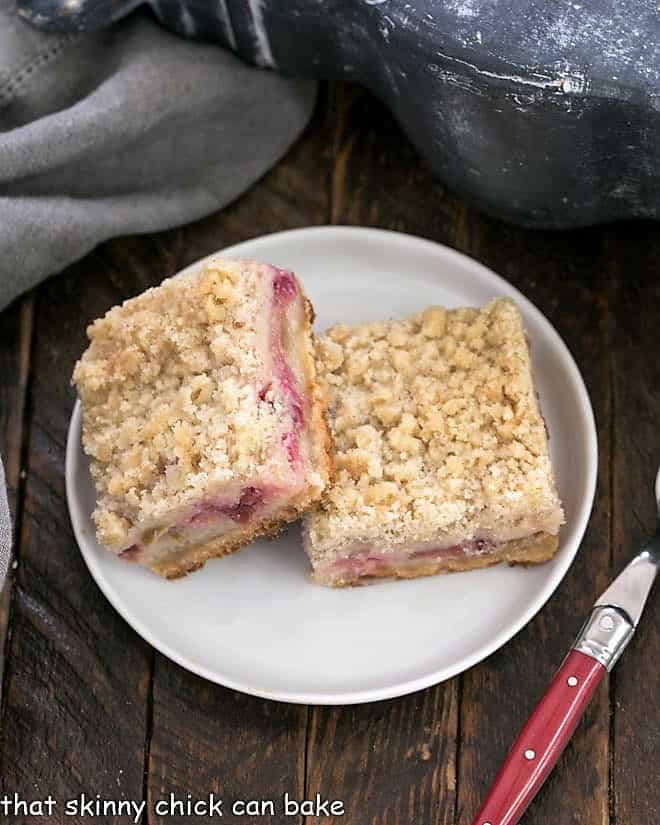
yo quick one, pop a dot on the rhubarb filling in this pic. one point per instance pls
(367, 562)
(283, 384)
(212, 518)
(362, 563)
(241, 510)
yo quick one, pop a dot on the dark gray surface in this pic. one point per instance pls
(543, 114)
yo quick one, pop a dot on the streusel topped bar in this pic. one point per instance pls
(441, 451)
(201, 414)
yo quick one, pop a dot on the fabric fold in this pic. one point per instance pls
(125, 131)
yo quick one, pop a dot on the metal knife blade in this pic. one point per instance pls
(630, 590)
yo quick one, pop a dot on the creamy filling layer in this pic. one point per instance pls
(240, 510)
(209, 519)
(373, 563)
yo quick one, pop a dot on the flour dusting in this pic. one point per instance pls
(566, 81)
(264, 56)
(463, 8)
(187, 21)
(223, 14)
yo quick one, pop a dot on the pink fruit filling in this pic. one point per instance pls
(284, 292)
(209, 512)
(371, 563)
(469, 547)
(241, 511)
(131, 553)
(284, 286)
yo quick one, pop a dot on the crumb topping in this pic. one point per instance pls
(437, 431)
(173, 394)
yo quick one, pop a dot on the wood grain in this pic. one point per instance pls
(389, 762)
(74, 713)
(205, 737)
(561, 275)
(15, 347)
(635, 322)
(377, 178)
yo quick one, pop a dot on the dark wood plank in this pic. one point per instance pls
(74, 714)
(209, 740)
(562, 275)
(377, 177)
(391, 762)
(15, 346)
(635, 307)
(197, 726)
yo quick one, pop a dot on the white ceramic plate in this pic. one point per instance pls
(253, 621)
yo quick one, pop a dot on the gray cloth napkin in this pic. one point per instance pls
(123, 131)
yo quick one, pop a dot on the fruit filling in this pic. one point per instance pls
(369, 562)
(241, 510)
(207, 517)
(284, 293)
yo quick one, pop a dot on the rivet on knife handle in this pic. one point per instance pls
(605, 635)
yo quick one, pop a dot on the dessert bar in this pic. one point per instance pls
(202, 417)
(441, 456)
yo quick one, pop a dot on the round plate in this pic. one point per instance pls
(254, 621)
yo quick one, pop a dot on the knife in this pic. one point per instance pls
(600, 643)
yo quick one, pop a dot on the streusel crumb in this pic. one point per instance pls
(437, 430)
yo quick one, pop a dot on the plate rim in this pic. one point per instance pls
(433, 677)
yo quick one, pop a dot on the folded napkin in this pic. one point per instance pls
(123, 131)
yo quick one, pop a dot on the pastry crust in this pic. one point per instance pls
(438, 435)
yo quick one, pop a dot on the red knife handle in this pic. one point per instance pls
(541, 741)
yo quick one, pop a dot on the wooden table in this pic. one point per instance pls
(88, 706)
